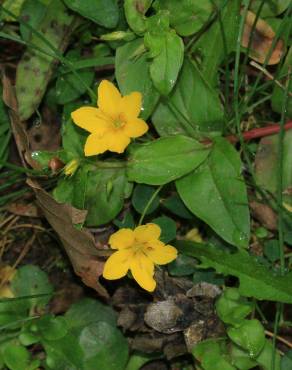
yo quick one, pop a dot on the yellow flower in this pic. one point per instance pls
(113, 123)
(138, 250)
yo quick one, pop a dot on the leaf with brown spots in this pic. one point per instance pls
(261, 41)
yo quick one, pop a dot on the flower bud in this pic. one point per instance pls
(71, 167)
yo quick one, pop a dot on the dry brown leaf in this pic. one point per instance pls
(262, 40)
(264, 214)
(80, 246)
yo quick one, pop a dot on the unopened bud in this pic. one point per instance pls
(71, 167)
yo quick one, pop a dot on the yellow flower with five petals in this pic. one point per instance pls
(138, 250)
(113, 123)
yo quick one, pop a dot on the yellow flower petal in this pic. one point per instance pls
(123, 238)
(117, 265)
(91, 119)
(130, 105)
(117, 141)
(159, 253)
(95, 144)
(147, 232)
(143, 270)
(109, 98)
(135, 127)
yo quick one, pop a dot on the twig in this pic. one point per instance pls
(6, 220)
(24, 251)
(29, 226)
(280, 339)
(269, 75)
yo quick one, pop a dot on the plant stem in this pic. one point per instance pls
(149, 204)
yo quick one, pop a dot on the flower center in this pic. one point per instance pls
(119, 121)
(140, 247)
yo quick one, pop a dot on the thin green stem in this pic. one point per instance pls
(11, 196)
(276, 328)
(21, 169)
(107, 165)
(150, 201)
(280, 178)
(260, 312)
(236, 84)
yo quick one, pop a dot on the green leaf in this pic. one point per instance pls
(167, 63)
(214, 45)
(141, 196)
(103, 12)
(186, 16)
(32, 12)
(267, 165)
(286, 362)
(278, 92)
(166, 159)
(67, 87)
(249, 335)
(182, 266)
(216, 193)
(64, 353)
(103, 203)
(272, 250)
(256, 280)
(265, 358)
(104, 347)
(52, 328)
(83, 347)
(63, 192)
(100, 191)
(135, 14)
(211, 355)
(192, 107)
(175, 205)
(14, 6)
(207, 276)
(138, 359)
(73, 140)
(232, 308)
(16, 357)
(240, 358)
(31, 280)
(127, 222)
(168, 228)
(87, 311)
(132, 74)
(27, 338)
(270, 8)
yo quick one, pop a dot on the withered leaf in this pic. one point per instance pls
(80, 246)
(262, 39)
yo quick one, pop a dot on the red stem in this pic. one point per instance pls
(260, 132)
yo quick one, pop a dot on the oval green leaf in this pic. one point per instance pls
(216, 193)
(166, 159)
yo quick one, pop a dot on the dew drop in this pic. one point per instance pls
(239, 238)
